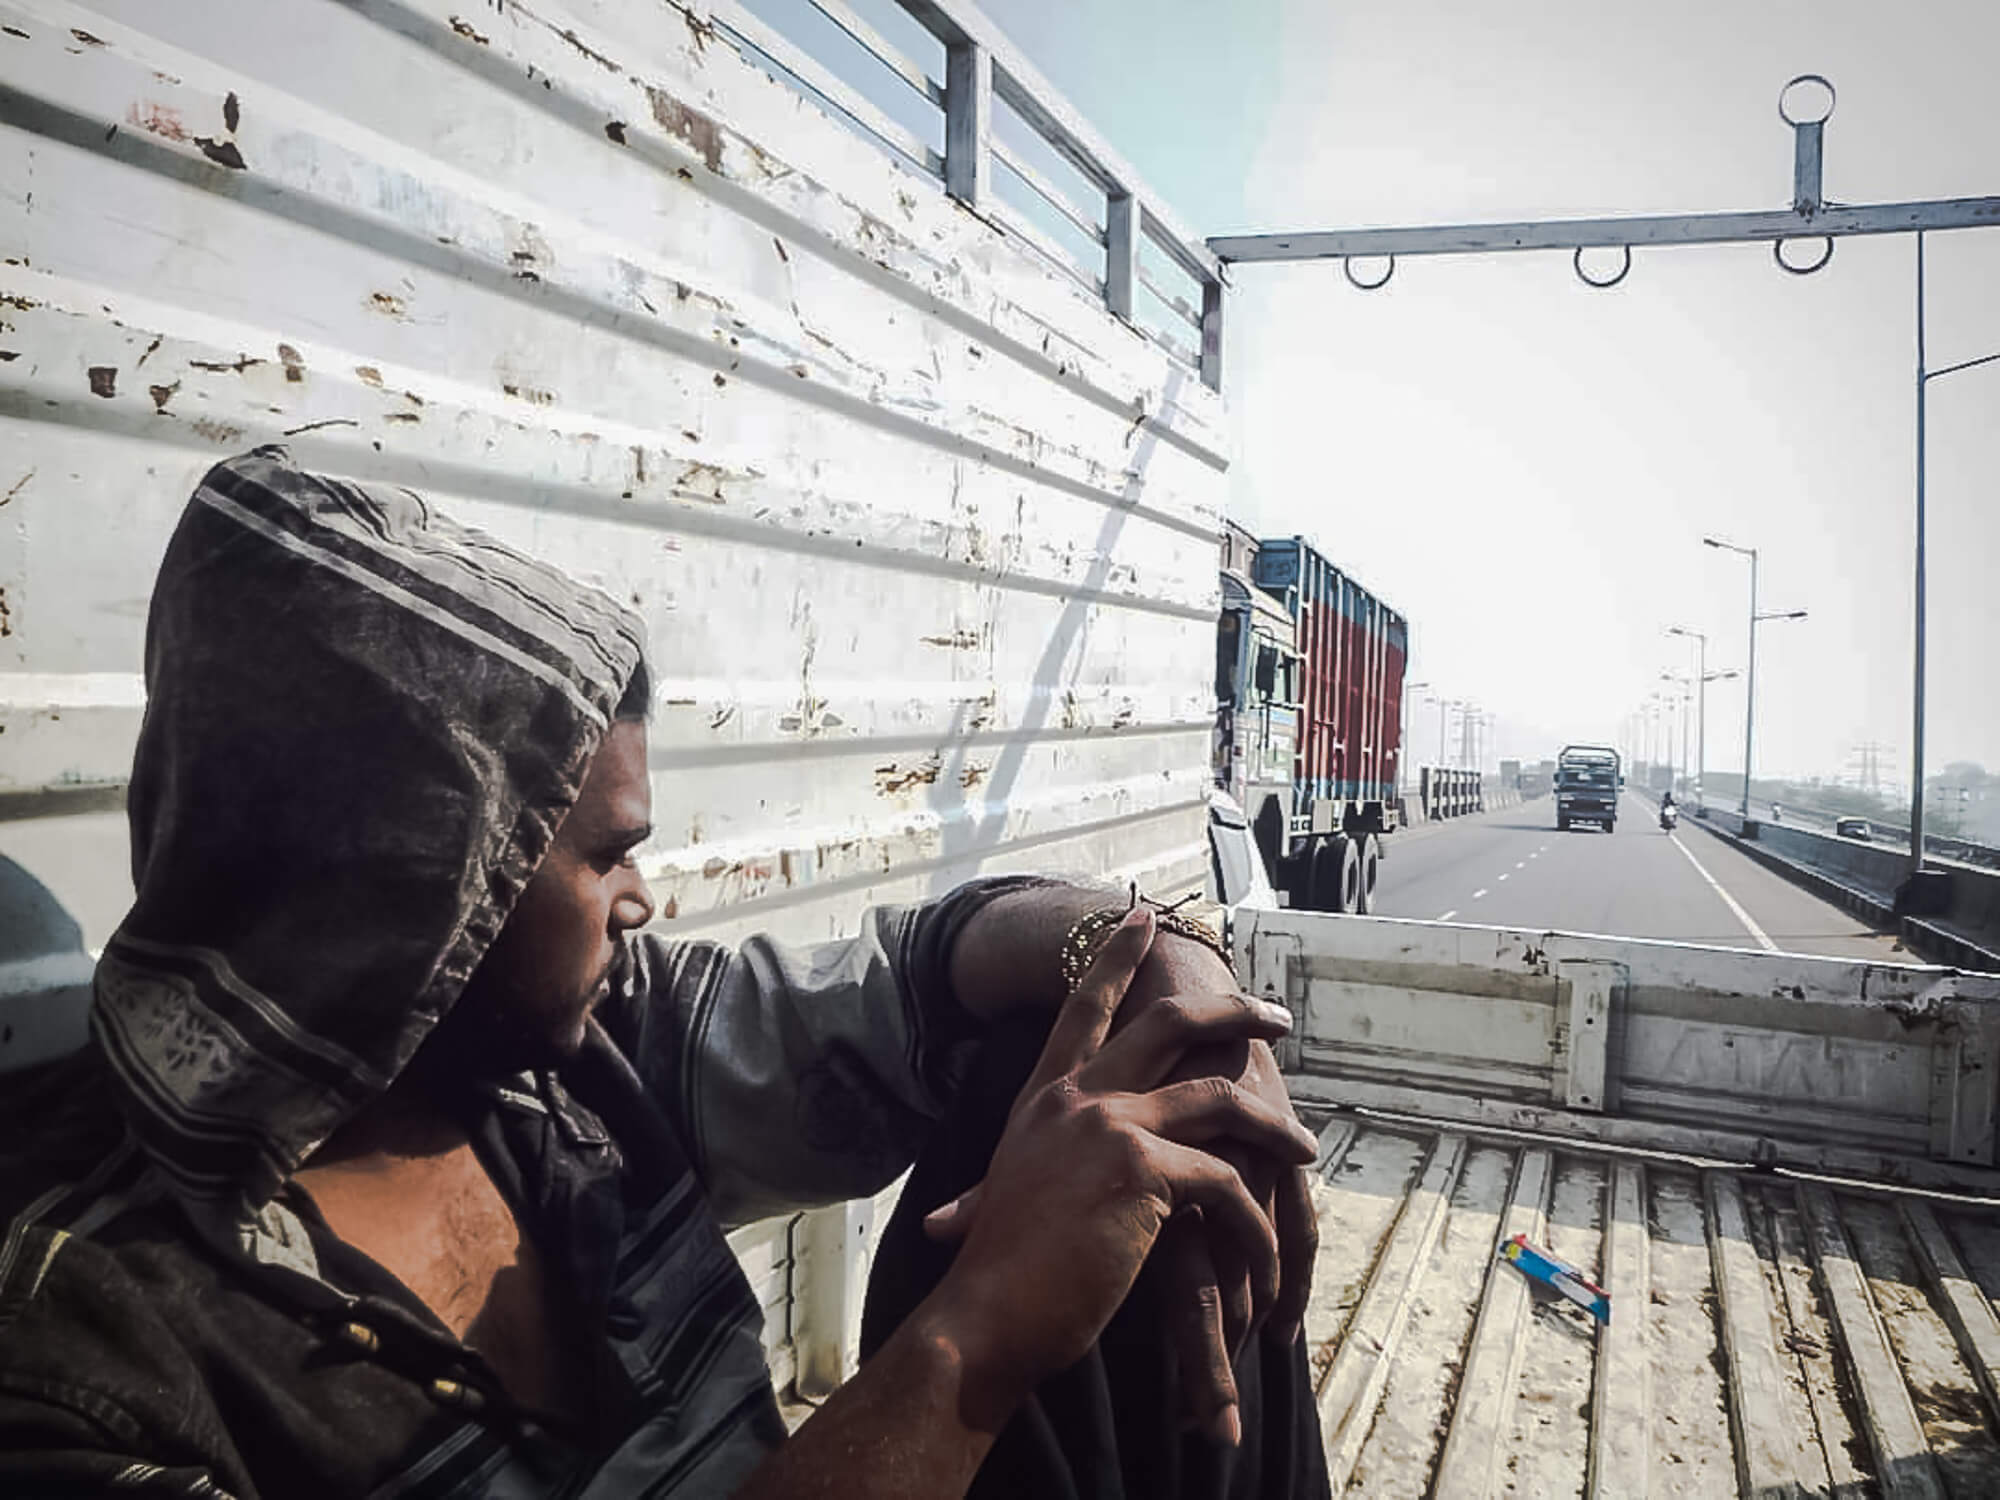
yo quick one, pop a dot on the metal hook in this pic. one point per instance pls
(1624, 270)
(1347, 270)
(1778, 254)
(1785, 114)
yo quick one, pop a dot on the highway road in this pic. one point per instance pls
(1513, 869)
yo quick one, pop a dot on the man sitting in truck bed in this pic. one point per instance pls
(421, 1152)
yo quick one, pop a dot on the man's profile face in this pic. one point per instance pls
(527, 1003)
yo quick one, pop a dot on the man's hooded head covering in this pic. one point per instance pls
(364, 724)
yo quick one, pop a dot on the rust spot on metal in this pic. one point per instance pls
(894, 778)
(162, 394)
(415, 400)
(158, 338)
(19, 485)
(86, 38)
(7, 299)
(236, 366)
(224, 433)
(158, 119)
(369, 375)
(959, 640)
(7, 621)
(402, 416)
(8, 356)
(530, 393)
(592, 53)
(616, 130)
(386, 302)
(464, 28)
(700, 482)
(15, 31)
(295, 365)
(222, 153)
(691, 125)
(973, 774)
(719, 380)
(232, 111)
(315, 426)
(104, 380)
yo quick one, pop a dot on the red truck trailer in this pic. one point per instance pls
(1323, 841)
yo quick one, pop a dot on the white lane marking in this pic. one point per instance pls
(1449, 915)
(1749, 922)
(1477, 894)
(1502, 875)
(1522, 865)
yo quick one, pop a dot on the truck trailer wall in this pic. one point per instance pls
(925, 537)
(1354, 648)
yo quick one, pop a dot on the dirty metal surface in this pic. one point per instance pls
(1869, 1069)
(925, 538)
(1770, 1335)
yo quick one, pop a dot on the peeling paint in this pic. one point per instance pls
(86, 38)
(369, 375)
(464, 28)
(103, 380)
(232, 111)
(295, 365)
(615, 129)
(158, 119)
(958, 640)
(387, 303)
(894, 778)
(19, 485)
(590, 52)
(222, 153)
(529, 393)
(162, 394)
(689, 125)
(227, 434)
(236, 366)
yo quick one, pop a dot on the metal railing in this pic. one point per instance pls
(1137, 250)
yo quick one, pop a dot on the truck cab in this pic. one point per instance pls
(1257, 710)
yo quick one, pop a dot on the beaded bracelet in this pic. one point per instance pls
(1094, 928)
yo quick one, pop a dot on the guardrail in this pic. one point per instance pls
(1865, 879)
(1059, 186)
(1936, 845)
(1445, 792)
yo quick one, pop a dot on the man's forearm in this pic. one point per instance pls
(909, 1426)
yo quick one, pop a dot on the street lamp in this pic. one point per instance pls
(1750, 687)
(1402, 754)
(1704, 677)
(1924, 378)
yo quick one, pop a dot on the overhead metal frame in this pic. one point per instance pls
(1811, 216)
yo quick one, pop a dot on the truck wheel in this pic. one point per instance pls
(1371, 868)
(1350, 877)
(1610, 824)
(1323, 887)
(1562, 822)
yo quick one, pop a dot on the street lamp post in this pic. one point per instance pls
(1403, 753)
(1924, 378)
(1701, 709)
(1750, 687)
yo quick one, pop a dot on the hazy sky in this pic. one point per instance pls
(1525, 466)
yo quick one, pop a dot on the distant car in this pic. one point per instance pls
(1853, 828)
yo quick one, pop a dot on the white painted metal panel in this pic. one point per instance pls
(924, 535)
(1869, 1067)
